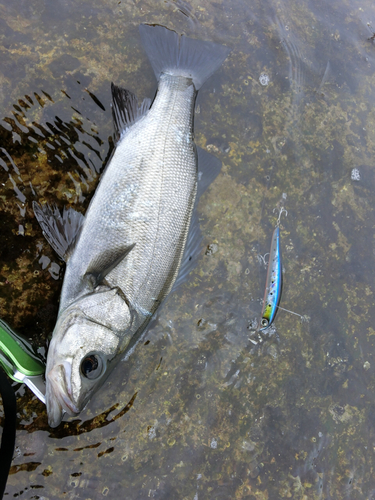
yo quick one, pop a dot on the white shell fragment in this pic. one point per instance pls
(264, 79)
(355, 175)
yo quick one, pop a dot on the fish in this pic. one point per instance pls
(272, 294)
(140, 235)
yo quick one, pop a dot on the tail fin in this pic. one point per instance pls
(179, 55)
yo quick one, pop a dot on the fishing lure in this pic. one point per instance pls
(272, 293)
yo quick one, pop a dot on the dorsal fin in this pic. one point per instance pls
(61, 231)
(125, 110)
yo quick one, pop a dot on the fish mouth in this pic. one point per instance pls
(58, 395)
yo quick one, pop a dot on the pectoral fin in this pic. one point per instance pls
(104, 263)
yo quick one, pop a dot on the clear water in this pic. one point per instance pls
(199, 411)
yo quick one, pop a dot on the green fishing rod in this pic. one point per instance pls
(20, 363)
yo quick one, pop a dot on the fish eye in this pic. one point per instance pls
(92, 366)
(264, 322)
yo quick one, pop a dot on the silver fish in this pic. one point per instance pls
(139, 233)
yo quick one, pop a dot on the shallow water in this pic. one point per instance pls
(199, 411)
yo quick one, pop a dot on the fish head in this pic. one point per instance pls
(81, 355)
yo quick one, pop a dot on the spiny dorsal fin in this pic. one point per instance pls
(61, 231)
(125, 110)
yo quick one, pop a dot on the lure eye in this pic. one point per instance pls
(264, 322)
(92, 367)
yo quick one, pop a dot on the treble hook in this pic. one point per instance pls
(281, 210)
(262, 258)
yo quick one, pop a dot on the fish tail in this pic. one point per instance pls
(179, 55)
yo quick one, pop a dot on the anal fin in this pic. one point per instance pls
(193, 248)
(208, 169)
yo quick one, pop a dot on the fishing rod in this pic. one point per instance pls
(19, 362)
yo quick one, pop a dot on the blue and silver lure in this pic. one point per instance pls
(272, 293)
